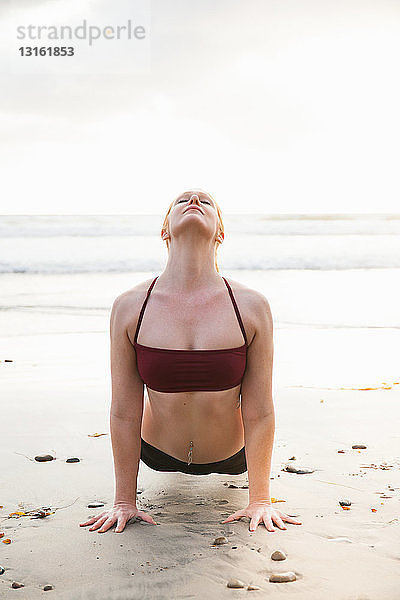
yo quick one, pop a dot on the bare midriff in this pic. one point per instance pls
(212, 420)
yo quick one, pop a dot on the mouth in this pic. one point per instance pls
(193, 208)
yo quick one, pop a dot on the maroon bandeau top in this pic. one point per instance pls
(170, 370)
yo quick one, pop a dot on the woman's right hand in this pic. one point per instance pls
(120, 513)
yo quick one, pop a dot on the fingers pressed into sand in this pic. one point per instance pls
(234, 517)
(98, 523)
(91, 520)
(268, 523)
(107, 524)
(120, 525)
(280, 523)
(146, 517)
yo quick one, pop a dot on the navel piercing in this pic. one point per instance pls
(190, 453)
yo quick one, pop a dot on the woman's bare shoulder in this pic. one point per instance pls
(248, 296)
(127, 304)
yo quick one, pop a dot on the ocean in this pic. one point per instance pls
(332, 282)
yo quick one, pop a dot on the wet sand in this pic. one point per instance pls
(56, 392)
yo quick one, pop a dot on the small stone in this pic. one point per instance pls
(253, 587)
(16, 585)
(73, 460)
(231, 485)
(282, 577)
(292, 458)
(340, 451)
(359, 446)
(299, 470)
(8, 360)
(2, 569)
(44, 457)
(220, 540)
(223, 501)
(345, 502)
(235, 583)
(278, 555)
(95, 504)
(47, 587)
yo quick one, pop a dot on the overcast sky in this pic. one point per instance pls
(284, 106)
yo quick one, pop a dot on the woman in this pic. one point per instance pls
(205, 355)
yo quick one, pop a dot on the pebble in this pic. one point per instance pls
(2, 569)
(95, 504)
(253, 587)
(345, 502)
(231, 485)
(16, 585)
(47, 587)
(292, 458)
(220, 540)
(8, 360)
(282, 577)
(44, 457)
(223, 501)
(359, 446)
(72, 460)
(299, 470)
(341, 452)
(278, 555)
(235, 583)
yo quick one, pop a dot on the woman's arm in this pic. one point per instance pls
(126, 404)
(259, 423)
(257, 403)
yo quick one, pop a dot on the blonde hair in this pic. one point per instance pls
(220, 227)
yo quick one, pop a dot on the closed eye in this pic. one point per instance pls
(183, 200)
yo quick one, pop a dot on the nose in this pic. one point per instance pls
(194, 198)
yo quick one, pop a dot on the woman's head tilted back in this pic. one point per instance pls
(208, 212)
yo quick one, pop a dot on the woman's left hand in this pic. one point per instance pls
(262, 512)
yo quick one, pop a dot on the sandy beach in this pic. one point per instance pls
(55, 396)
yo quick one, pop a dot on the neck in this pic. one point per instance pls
(190, 268)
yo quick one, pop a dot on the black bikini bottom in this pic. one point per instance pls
(160, 461)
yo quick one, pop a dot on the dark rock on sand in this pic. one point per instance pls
(73, 460)
(220, 540)
(292, 458)
(299, 470)
(345, 502)
(47, 587)
(16, 585)
(2, 569)
(278, 555)
(282, 577)
(95, 504)
(44, 457)
(359, 446)
(253, 587)
(235, 583)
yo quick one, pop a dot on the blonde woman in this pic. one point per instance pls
(203, 346)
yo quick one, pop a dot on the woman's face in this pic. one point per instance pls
(194, 206)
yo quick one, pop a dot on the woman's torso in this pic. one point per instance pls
(206, 320)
